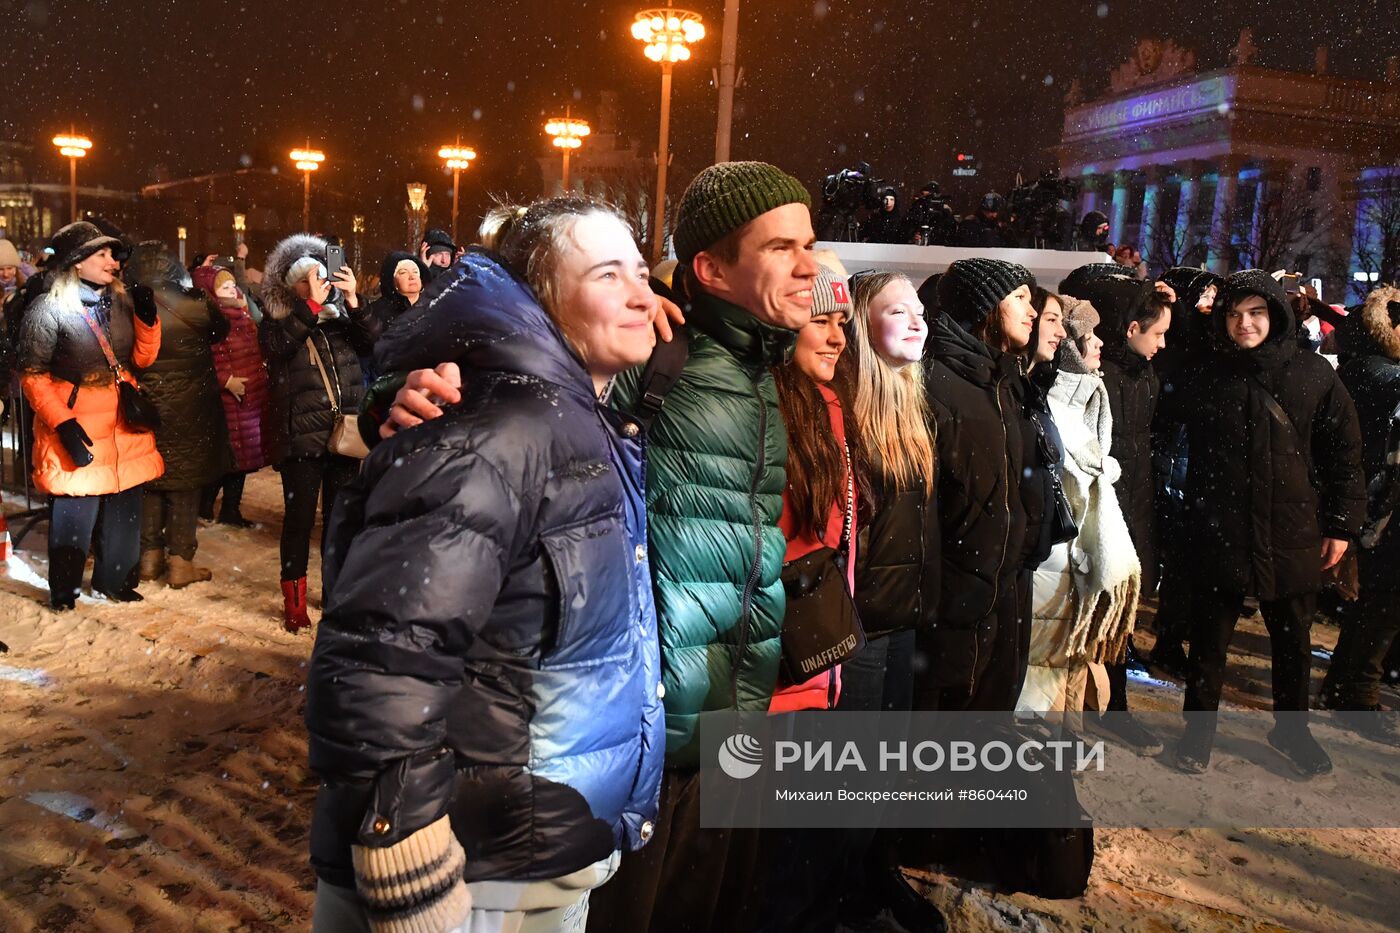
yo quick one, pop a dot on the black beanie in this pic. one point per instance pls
(972, 288)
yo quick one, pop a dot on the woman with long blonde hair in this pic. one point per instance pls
(897, 552)
(77, 343)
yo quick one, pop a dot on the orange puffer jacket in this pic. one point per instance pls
(64, 376)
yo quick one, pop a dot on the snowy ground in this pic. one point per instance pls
(153, 776)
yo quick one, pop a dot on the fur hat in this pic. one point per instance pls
(1080, 316)
(76, 242)
(724, 197)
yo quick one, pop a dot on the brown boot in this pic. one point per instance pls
(181, 573)
(152, 565)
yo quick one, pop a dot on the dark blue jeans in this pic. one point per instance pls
(70, 537)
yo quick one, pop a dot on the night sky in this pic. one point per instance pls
(190, 86)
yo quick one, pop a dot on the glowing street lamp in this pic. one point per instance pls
(456, 158)
(181, 234)
(75, 148)
(240, 225)
(417, 201)
(567, 134)
(667, 34)
(307, 161)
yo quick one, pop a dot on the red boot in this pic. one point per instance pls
(294, 617)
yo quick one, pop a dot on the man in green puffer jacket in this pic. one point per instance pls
(716, 462)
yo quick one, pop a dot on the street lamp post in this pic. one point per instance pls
(307, 161)
(456, 158)
(74, 147)
(240, 226)
(417, 199)
(181, 234)
(668, 34)
(567, 133)
(728, 51)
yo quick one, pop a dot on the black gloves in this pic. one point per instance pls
(75, 441)
(145, 304)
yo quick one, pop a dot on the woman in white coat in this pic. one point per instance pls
(1085, 594)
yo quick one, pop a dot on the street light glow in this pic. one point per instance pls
(240, 222)
(668, 33)
(74, 147)
(457, 157)
(417, 192)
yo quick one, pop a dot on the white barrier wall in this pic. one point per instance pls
(1048, 266)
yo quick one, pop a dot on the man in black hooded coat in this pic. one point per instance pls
(1275, 488)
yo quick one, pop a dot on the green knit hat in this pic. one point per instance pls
(724, 197)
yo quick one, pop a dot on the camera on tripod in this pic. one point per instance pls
(845, 194)
(1038, 218)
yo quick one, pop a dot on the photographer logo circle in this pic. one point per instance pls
(741, 756)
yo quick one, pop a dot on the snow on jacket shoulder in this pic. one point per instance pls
(717, 454)
(489, 644)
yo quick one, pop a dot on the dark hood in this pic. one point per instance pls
(1119, 301)
(387, 289)
(1370, 329)
(1074, 283)
(967, 356)
(1189, 283)
(486, 320)
(1088, 227)
(1281, 343)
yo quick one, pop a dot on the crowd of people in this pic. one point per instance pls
(574, 507)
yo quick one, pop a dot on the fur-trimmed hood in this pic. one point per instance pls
(1369, 330)
(278, 299)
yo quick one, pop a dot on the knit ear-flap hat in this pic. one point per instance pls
(724, 197)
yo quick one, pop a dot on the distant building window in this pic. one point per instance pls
(1309, 220)
(1314, 178)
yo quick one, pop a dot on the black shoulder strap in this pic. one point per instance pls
(1284, 419)
(662, 372)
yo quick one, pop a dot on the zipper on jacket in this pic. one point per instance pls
(756, 568)
(1006, 537)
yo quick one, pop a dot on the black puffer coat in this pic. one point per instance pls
(489, 648)
(299, 416)
(1133, 390)
(1259, 505)
(976, 396)
(897, 559)
(193, 435)
(1370, 369)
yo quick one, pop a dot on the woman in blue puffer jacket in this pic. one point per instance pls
(482, 703)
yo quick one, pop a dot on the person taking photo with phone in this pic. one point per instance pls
(312, 336)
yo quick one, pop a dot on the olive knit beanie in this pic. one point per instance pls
(972, 288)
(724, 197)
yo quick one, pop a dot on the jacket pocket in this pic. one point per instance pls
(591, 566)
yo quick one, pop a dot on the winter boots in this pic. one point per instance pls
(294, 617)
(181, 572)
(152, 565)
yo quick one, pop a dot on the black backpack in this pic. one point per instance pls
(662, 372)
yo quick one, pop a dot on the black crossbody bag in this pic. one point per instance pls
(821, 627)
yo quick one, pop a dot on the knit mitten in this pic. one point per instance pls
(414, 886)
